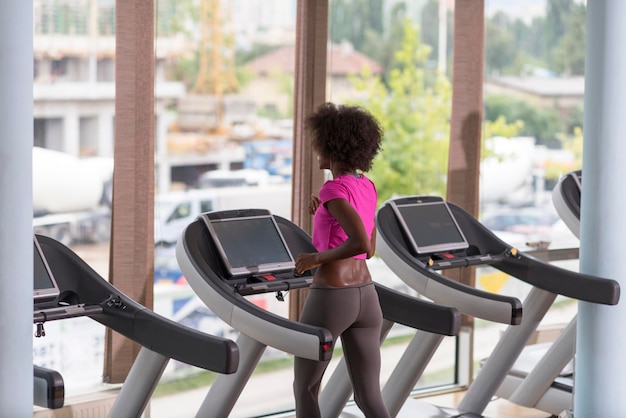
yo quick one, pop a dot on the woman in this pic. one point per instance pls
(342, 297)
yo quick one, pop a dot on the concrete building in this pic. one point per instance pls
(564, 94)
(74, 90)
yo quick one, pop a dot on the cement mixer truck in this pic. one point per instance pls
(71, 196)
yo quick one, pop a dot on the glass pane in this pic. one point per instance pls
(225, 81)
(534, 58)
(74, 104)
(383, 56)
(224, 120)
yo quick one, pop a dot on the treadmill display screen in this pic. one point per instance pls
(429, 227)
(45, 286)
(250, 245)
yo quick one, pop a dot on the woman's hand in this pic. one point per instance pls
(314, 204)
(306, 261)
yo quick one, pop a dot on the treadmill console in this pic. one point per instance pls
(252, 251)
(434, 237)
(45, 287)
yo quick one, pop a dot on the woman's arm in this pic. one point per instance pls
(357, 242)
(372, 250)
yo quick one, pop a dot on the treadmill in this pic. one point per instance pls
(228, 255)
(66, 287)
(566, 199)
(420, 236)
(543, 376)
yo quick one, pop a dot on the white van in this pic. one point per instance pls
(175, 210)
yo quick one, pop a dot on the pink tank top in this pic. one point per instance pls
(360, 192)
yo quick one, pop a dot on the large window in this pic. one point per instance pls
(224, 120)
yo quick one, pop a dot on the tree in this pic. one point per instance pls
(500, 51)
(350, 20)
(380, 47)
(555, 41)
(543, 123)
(415, 119)
(556, 19)
(500, 127)
(415, 116)
(429, 28)
(378, 37)
(568, 56)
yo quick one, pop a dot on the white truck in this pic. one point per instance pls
(175, 210)
(71, 196)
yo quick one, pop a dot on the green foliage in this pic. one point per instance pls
(568, 56)
(556, 19)
(574, 121)
(184, 69)
(429, 28)
(555, 169)
(415, 119)
(286, 87)
(500, 127)
(176, 17)
(351, 19)
(377, 44)
(555, 41)
(574, 143)
(523, 65)
(540, 122)
(244, 76)
(501, 51)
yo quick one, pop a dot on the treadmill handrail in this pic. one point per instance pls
(49, 388)
(542, 275)
(424, 315)
(138, 323)
(435, 286)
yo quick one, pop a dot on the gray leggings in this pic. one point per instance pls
(352, 313)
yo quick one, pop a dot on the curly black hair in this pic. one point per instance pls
(348, 134)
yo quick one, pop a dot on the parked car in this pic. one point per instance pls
(523, 225)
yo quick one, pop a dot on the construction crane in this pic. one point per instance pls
(216, 56)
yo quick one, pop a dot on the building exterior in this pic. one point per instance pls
(74, 63)
(74, 89)
(270, 70)
(564, 94)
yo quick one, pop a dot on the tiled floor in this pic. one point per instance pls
(500, 408)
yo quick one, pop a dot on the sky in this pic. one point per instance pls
(523, 9)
